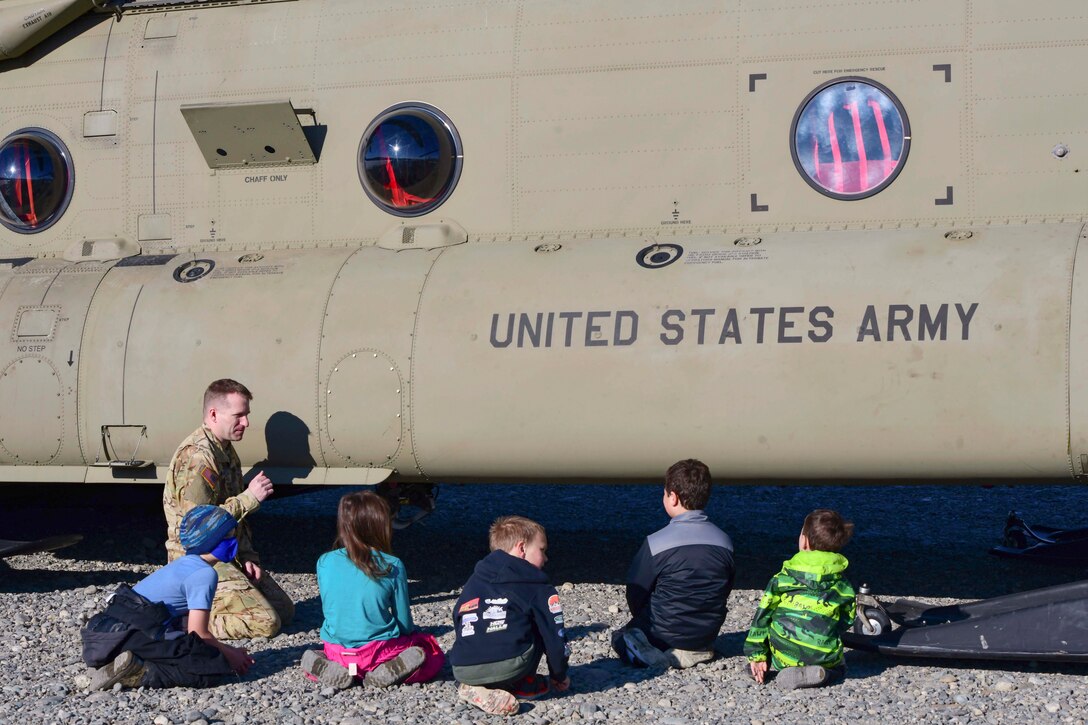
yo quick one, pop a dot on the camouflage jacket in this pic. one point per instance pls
(205, 471)
(803, 613)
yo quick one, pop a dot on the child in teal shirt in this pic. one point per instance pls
(357, 608)
(368, 631)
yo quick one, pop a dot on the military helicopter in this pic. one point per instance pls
(527, 240)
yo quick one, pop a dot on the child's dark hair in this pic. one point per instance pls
(507, 531)
(690, 481)
(363, 524)
(826, 530)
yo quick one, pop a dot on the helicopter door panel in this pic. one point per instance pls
(45, 303)
(102, 371)
(366, 361)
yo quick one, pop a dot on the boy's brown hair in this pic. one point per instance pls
(690, 481)
(507, 531)
(826, 530)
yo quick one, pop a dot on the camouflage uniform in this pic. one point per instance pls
(207, 471)
(803, 613)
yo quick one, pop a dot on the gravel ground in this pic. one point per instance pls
(925, 542)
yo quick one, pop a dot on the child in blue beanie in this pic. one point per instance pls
(155, 634)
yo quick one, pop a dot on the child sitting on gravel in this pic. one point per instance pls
(368, 631)
(507, 617)
(155, 634)
(679, 581)
(805, 610)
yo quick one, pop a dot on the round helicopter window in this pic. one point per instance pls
(850, 138)
(36, 180)
(410, 159)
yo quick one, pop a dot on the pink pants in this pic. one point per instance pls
(371, 655)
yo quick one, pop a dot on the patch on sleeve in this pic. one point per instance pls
(553, 604)
(210, 477)
(469, 606)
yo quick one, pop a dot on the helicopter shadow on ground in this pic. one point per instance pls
(119, 523)
(921, 541)
(906, 536)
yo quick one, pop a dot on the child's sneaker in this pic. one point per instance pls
(397, 670)
(530, 687)
(641, 652)
(493, 702)
(126, 668)
(791, 678)
(317, 667)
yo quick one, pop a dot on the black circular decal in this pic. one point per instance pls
(657, 256)
(194, 270)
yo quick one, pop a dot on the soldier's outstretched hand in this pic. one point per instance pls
(260, 487)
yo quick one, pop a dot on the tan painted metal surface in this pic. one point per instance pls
(674, 363)
(933, 329)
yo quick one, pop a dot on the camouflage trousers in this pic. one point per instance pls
(243, 609)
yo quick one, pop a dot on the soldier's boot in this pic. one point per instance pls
(791, 678)
(277, 599)
(126, 668)
(682, 659)
(397, 670)
(317, 667)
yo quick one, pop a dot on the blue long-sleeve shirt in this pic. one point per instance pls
(359, 609)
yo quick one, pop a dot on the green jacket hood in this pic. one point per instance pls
(816, 566)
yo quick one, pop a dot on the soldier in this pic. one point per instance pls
(205, 470)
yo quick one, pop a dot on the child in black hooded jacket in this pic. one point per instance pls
(507, 618)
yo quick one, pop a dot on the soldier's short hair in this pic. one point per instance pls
(221, 388)
(507, 531)
(690, 480)
(826, 530)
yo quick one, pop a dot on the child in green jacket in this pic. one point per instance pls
(805, 610)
